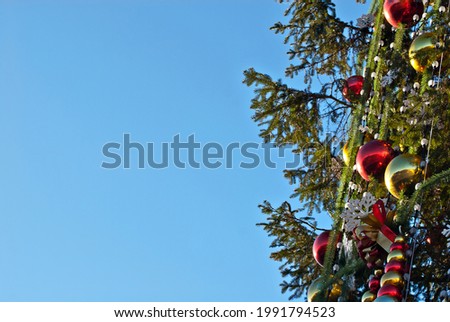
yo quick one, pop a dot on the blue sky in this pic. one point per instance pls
(75, 75)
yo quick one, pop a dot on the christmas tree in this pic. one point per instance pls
(373, 118)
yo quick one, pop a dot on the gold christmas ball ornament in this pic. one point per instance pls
(420, 51)
(402, 174)
(392, 278)
(317, 291)
(368, 297)
(396, 255)
(423, 52)
(400, 239)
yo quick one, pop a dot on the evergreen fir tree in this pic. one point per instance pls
(403, 101)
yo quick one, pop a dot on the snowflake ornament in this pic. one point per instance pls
(388, 78)
(357, 209)
(365, 21)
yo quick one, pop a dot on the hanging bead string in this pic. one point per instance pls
(380, 93)
(442, 9)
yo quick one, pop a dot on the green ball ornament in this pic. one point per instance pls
(402, 174)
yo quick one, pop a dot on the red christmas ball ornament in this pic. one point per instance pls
(398, 246)
(353, 87)
(373, 158)
(374, 284)
(399, 12)
(390, 290)
(320, 246)
(396, 266)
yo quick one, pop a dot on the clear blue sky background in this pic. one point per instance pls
(75, 75)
